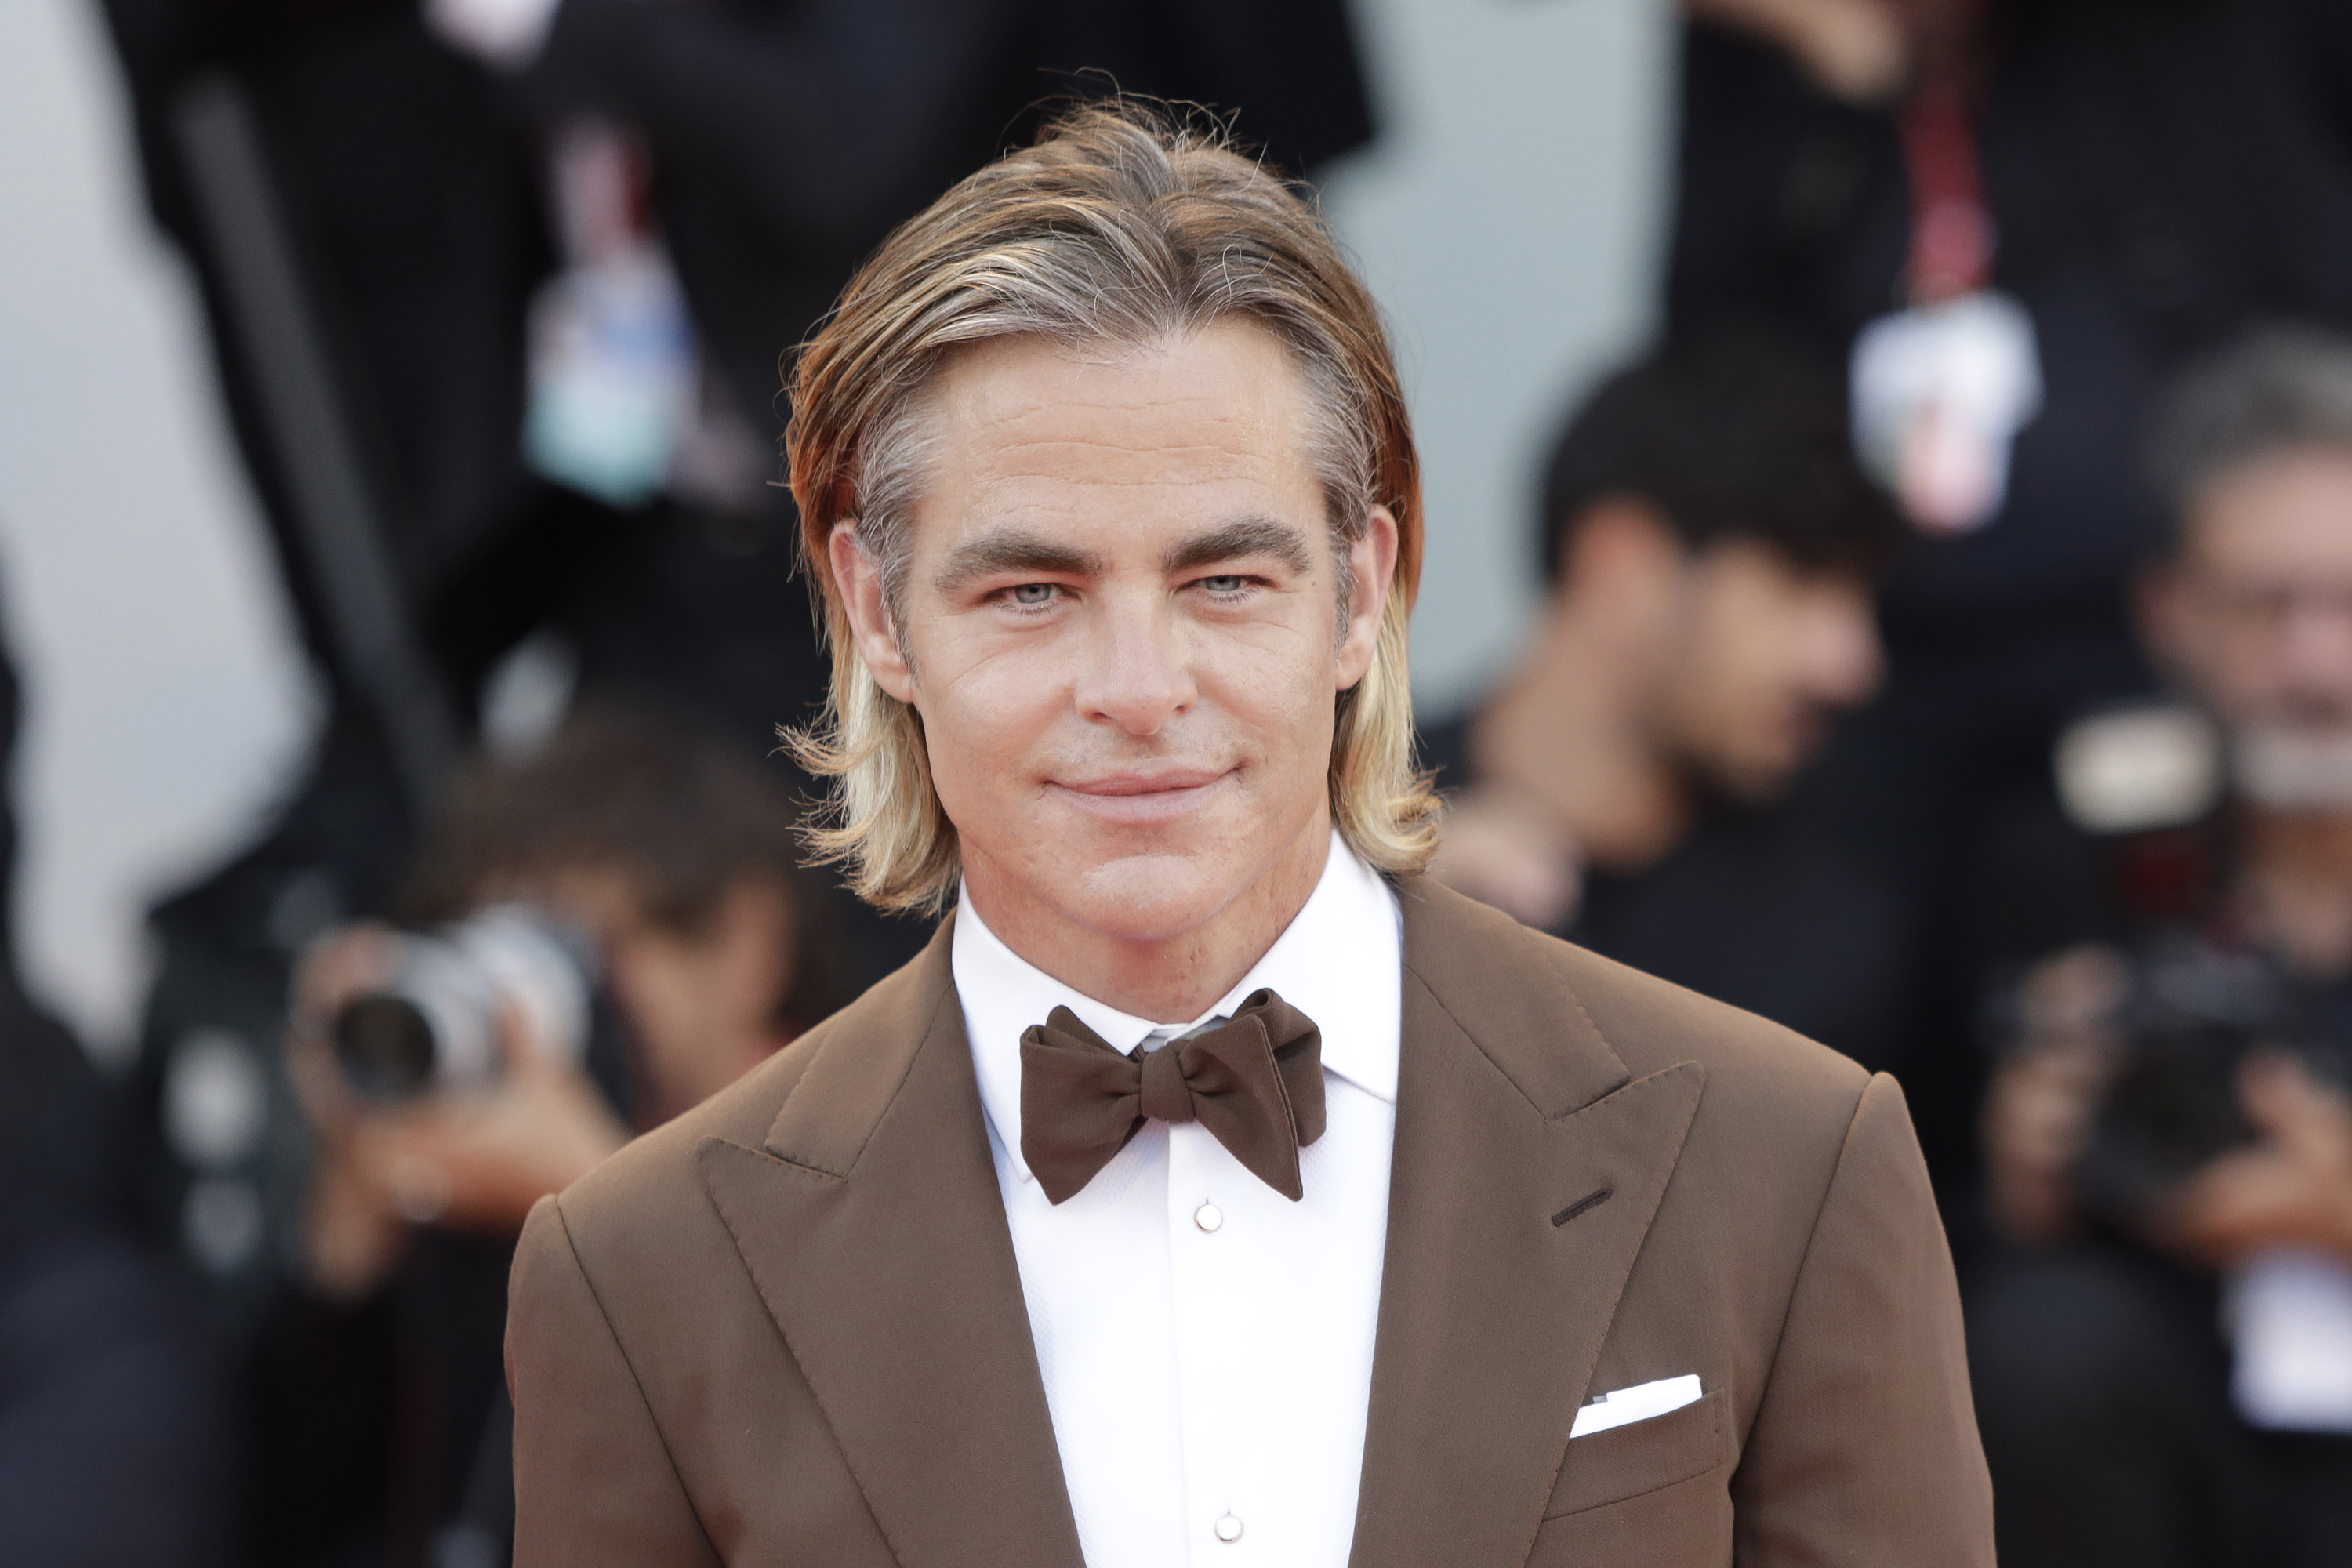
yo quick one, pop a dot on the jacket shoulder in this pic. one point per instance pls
(650, 1179)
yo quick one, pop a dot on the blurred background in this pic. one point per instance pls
(1890, 467)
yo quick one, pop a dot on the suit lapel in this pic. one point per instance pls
(872, 1225)
(1511, 1110)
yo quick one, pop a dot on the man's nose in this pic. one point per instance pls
(1139, 673)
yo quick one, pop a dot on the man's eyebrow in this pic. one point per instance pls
(1242, 537)
(1012, 550)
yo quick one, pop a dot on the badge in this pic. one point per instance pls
(1940, 391)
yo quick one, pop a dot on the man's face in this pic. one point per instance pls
(2253, 617)
(700, 1004)
(1756, 657)
(1121, 627)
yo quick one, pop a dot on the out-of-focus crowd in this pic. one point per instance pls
(1945, 651)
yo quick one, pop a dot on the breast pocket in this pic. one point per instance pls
(1643, 1457)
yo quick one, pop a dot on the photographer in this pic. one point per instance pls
(599, 935)
(2169, 1144)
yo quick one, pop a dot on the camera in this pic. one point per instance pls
(2192, 1011)
(437, 1023)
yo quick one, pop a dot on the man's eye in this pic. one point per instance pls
(1034, 593)
(1229, 584)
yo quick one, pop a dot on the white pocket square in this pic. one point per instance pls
(1639, 1402)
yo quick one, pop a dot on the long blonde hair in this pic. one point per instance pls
(1123, 225)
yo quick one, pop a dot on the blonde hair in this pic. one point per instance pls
(1123, 225)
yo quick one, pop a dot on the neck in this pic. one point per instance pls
(1564, 734)
(1170, 979)
(2298, 885)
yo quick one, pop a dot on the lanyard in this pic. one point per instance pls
(1941, 388)
(1952, 233)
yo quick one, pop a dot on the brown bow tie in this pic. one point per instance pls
(1255, 1081)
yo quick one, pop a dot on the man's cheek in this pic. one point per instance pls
(996, 697)
(1265, 687)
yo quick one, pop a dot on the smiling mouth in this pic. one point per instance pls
(1142, 798)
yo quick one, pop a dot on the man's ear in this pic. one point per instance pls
(858, 580)
(1372, 563)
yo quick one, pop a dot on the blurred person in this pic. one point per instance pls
(430, 220)
(2164, 1363)
(1711, 551)
(2013, 219)
(786, 140)
(1213, 1180)
(651, 875)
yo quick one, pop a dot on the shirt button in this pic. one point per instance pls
(1208, 1216)
(1228, 1529)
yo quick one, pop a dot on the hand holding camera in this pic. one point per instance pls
(444, 1091)
(2292, 1188)
(2192, 1097)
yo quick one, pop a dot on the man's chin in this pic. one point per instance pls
(1152, 897)
(1753, 782)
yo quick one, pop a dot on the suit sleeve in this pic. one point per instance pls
(593, 1478)
(1864, 1448)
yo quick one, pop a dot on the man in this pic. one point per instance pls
(1212, 1187)
(781, 141)
(2122, 1426)
(375, 1429)
(1711, 550)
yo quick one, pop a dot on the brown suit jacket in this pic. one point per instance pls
(788, 1328)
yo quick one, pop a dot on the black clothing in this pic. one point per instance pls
(2158, 178)
(111, 1451)
(111, 1428)
(412, 191)
(2101, 1394)
(411, 180)
(2322, 35)
(1772, 910)
(789, 137)
(2100, 1367)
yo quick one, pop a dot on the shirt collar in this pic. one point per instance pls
(1339, 962)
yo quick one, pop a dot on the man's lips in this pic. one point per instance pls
(1142, 797)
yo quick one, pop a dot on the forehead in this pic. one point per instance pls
(2287, 512)
(1213, 419)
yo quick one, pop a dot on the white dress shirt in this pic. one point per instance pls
(1206, 1343)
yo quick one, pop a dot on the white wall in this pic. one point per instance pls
(1510, 220)
(164, 700)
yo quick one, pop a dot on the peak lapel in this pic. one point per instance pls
(1511, 1109)
(872, 1225)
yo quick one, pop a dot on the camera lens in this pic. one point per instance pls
(385, 1046)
